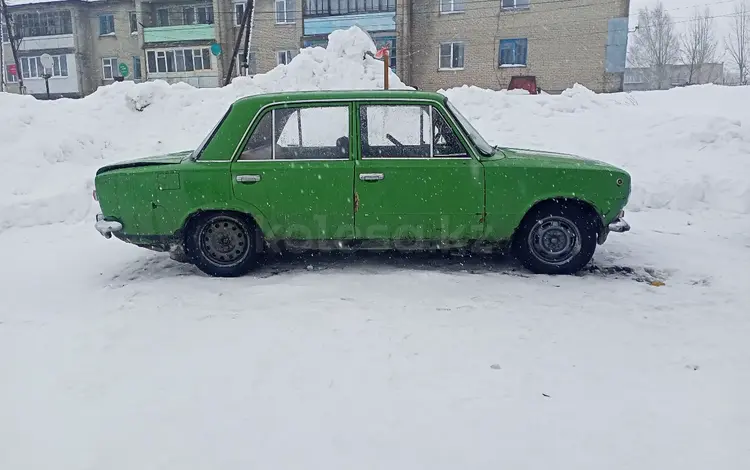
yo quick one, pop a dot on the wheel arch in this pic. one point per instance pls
(254, 216)
(584, 205)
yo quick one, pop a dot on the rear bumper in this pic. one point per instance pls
(106, 227)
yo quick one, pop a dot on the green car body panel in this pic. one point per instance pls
(483, 196)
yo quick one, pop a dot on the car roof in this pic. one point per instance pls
(323, 95)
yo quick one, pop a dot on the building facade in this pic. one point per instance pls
(433, 44)
(644, 78)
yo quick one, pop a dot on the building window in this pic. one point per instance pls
(451, 55)
(109, 65)
(251, 67)
(514, 4)
(513, 52)
(284, 11)
(239, 12)
(43, 24)
(133, 22)
(162, 17)
(106, 24)
(198, 15)
(347, 7)
(178, 60)
(283, 57)
(137, 72)
(31, 67)
(10, 77)
(452, 6)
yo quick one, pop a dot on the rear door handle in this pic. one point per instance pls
(371, 176)
(248, 179)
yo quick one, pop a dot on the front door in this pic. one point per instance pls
(415, 178)
(296, 169)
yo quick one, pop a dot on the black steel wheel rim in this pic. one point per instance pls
(554, 240)
(224, 241)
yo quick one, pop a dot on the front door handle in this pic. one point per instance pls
(371, 176)
(248, 179)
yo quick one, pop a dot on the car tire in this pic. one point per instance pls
(223, 244)
(556, 238)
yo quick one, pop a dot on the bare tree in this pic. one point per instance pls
(655, 44)
(738, 41)
(699, 46)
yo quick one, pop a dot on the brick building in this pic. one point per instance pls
(433, 43)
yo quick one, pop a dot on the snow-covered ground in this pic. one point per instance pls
(115, 357)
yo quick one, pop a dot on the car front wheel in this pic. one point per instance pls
(556, 238)
(222, 244)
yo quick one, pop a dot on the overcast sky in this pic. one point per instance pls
(682, 10)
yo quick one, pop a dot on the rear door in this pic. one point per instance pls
(414, 177)
(296, 168)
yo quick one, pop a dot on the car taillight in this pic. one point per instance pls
(94, 195)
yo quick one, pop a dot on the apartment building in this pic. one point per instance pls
(433, 44)
(47, 28)
(444, 43)
(98, 42)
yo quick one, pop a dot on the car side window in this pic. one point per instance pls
(445, 141)
(300, 133)
(311, 133)
(407, 131)
(395, 131)
(259, 145)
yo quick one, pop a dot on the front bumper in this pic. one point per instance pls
(619, 225)
(106, 227)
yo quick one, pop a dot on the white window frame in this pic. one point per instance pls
(39, 70)
(287, 54)
(108, 60)
(453, 10)
(453, 45)
(515, 5)
(238, 18)
(276, 12)
(164, 54)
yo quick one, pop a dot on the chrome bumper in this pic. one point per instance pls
(106, 227)
(619, 225)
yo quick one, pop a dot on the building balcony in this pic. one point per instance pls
(187, 32)
(321, 17)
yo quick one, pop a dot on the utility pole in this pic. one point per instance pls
(245, 66)
(245, 24)
(2, 53)
(13, 45)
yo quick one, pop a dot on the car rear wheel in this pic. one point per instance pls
(556, 238)
(223, 244)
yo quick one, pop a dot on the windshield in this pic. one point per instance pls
(199, 150)
(474, 135)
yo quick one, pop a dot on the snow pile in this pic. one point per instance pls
(686, 148)
(52, 149)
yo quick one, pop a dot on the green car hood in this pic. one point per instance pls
(167, 159)
(554, 159)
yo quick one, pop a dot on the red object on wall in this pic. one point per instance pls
(12, 69)
(524, 82)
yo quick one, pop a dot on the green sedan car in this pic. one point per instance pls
(379, 169)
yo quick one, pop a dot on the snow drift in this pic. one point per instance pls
(686, 148)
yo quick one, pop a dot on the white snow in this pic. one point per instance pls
(115, 357)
